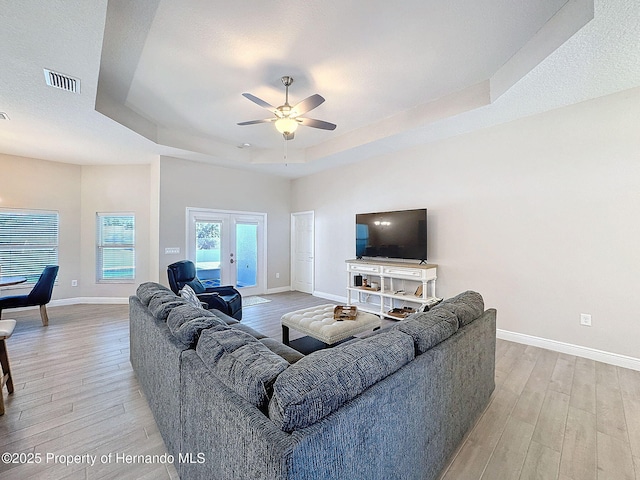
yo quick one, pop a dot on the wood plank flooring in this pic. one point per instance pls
(552, 416)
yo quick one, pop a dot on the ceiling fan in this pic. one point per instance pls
(287, 118)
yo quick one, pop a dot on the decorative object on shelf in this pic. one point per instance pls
(343, 312)
(398, 284)
(357, 280)
(402, 312)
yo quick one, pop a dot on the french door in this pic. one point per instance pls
(228, 248)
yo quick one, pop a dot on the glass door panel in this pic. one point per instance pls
(208, 252)
(246, 255)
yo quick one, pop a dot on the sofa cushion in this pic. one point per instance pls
(321, 382)
(467, 306)
(186, 322)
(241, 362)
(246, 329)
(185, 312)
(161, 305)
(284, 351)
(428, 328)
(189, 332)
(146, 291)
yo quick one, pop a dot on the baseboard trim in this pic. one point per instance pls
(63, 302)
(278, 290)
(330, 296)
(568, 348)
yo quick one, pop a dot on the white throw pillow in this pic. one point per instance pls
(190, 296)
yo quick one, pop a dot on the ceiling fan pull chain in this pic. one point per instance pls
(285, 150)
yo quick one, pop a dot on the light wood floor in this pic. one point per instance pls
(552, 416)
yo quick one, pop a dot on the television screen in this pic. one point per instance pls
(399, 234)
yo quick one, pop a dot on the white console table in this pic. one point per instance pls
(397, 285)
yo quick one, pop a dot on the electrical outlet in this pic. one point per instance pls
(74, 283)
(277, 275)
(585, 319)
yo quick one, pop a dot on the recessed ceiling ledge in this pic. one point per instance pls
(465, 100)
(574, 15)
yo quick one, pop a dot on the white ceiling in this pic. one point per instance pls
(165, 77)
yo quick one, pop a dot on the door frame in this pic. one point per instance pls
(232, 216)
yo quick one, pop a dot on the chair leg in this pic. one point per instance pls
(6, 374)
(44, 316)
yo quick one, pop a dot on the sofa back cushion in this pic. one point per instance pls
(321, 382)
(428, 328)
(241, 362)
(161, 305)
(185, 312)
(467, 306)
(186, 322)
(146, 291)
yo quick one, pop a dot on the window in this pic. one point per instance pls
(28, 242)
(115, 252)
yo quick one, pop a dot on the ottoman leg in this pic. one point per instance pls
(285, 334)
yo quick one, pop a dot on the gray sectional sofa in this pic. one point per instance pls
(233, 404)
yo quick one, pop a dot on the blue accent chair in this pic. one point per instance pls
(40, 295)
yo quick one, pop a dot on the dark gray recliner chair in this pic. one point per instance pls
(226, 298)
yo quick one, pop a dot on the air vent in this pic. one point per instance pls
(62, 81)
(4, 116)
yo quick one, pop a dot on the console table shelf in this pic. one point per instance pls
(398, 284)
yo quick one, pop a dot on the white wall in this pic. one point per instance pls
(37, 184)
(540, 215)
(77, 193)
(115, 189)
(185, 184)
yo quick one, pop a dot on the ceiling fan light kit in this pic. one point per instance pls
(286, 125)
(287, 118)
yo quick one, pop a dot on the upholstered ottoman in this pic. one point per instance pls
(318, 322)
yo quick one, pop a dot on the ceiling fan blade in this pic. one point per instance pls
(253, 122)
(260, 102)
(311, 122)
(307, 105)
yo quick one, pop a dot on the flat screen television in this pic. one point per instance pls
(399, 234)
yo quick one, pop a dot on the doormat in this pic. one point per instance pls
(253, 300)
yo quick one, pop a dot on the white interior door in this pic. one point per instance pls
(302, 251)
(228, 248)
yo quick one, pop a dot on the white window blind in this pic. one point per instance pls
(28, 242)
(115, 253)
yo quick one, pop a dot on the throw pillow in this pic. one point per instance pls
(190, 296)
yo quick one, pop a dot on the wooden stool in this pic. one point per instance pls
(6, 329)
